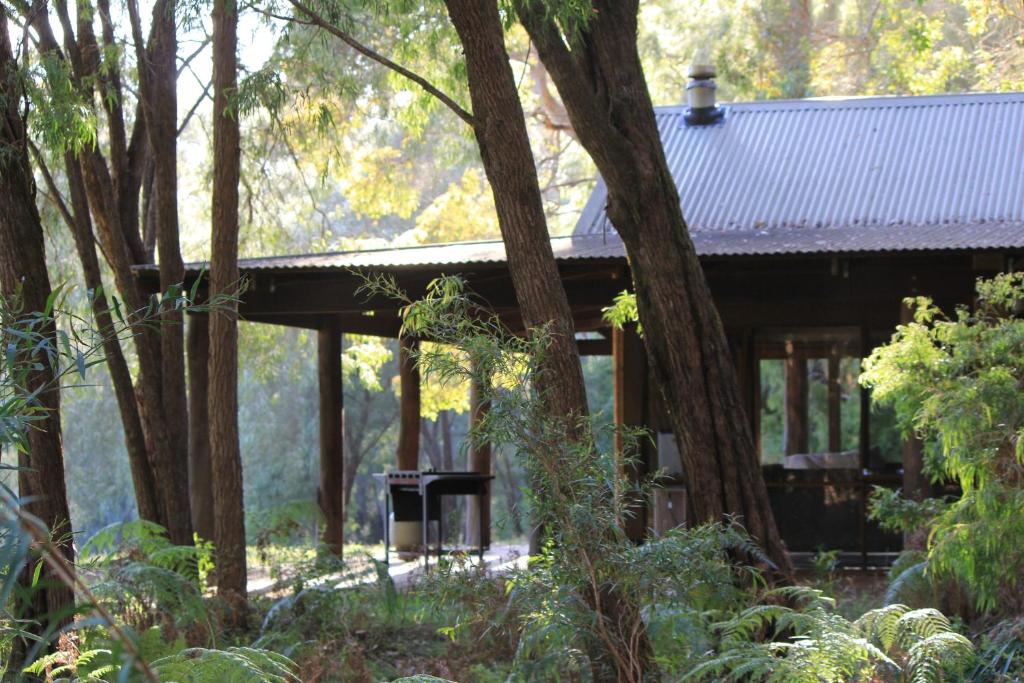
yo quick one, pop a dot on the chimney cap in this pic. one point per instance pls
(701, 70)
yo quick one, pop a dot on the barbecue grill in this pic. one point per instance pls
(415, 496)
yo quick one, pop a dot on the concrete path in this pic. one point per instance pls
(498, 560)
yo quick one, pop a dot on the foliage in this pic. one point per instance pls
(138, 577)
(579, 494)
(808, 642)
(1001, 653)
(241, 664)
(623, 311)
(956, 383)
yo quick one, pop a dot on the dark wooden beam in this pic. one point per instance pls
(835, 435)
(915, 484)
(384, 325)
(200, 475)
(332, 455)
(629, 370)
(795, 435)
(478, 511)
(340, 294)
(594, 347)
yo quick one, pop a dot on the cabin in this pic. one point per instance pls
(813, 219)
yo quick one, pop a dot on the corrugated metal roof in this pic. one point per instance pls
(859, 239)
(859, 175)
(955, 161)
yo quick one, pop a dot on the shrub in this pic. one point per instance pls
(956, 382)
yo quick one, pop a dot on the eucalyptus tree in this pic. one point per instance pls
(25, 290)
(84, 97)
(499, 127)
(225, 457)
(593, 58)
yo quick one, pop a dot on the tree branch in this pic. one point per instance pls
(381, 59)
(54, 193)
(188, 60)
(195, 105)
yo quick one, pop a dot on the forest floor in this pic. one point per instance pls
(855, 591)
(370, 632)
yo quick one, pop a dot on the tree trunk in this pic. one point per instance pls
(158, 88)
(500, 130)
(229, 512)
(41, 483)
(601, 81)
(112, 184)
(200, 469)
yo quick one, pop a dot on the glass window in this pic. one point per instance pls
(773, 410)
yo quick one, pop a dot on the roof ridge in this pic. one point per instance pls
(867, 101)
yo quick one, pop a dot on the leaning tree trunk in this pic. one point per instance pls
(500, 129)
(41, 483)
(229, 512)
(146, 493)
(600, 78)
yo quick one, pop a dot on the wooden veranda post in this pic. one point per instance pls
(915, 484)
(795, 428)
(478, 512)
(200, 473)
(332, 460)
(835, 397)
(629, 370)
(409, 424)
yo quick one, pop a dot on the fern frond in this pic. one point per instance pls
(941, 652)
(920, 624)
(41, 665)
(882, 625)
(908, 584)
(747, 623)
(804, 596)
(236, 664)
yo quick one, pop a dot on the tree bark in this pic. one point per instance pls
(200, 468)
(408, 456)
(332, 455)
(500, 130)
(112, 185)
(158, 75)
(41, 484)
(229, 511)
(147, 499)
(600, 78)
